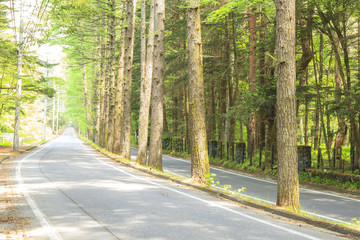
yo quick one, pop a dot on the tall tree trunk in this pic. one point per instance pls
(288, 181)
(342, 127)
(306, 122)
(157, 111)
(262, 77)
(175, 113)
(199, 151)
(251, 128)
(223, 86)
(270, 124)
(119, 95)
(87, 103)
(101, 125)
(305, 17)
(357, 163)
(125, 145)
(146, 81)
(233, 91)
(111, 122)
(20, 48)
(211, 124)
(107, 96)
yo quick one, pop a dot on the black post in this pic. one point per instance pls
(334, 158)
(244, 153)
(208, 147)
(213, 148)
(227, 150)
(251, 150)
(341, 160)
(260, 155)
(272, 157)
(221, 150)
(319, 158)
(352, 154)
(240, 149)
(189, 147)
(233, 151)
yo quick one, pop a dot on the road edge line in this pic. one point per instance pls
(41, 217)
(270, 209)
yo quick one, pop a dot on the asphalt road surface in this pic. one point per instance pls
(74, 193)
(324, 204)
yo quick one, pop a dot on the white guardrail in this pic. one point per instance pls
(10, 137)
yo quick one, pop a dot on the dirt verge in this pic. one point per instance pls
(12, 223)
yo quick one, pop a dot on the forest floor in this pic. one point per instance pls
(12, 224)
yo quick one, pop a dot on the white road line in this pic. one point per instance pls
(328, 218)
(272, 182)
(45, 223)
(273, 203)
(207, 202)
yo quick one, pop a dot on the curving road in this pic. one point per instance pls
(73, 193)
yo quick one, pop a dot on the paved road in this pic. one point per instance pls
(324, 204)
(76, 194)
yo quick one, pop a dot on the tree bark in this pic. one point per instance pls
(101, 125)
(87, 104)
(342, 127)
(199, 150)
(130, 8)
(288, 181)
(262, 77)
(211, 124)
(233, 90)
(251, 128)
(146, 81)
(119, 95)
(157, 100)
(111, 94)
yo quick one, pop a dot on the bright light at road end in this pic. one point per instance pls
(34, 12)
(53, 54)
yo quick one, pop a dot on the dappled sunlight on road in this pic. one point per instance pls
(80, 193)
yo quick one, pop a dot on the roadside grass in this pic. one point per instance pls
(6, 144)
(265, 169)
(238, 195)
(241, 194)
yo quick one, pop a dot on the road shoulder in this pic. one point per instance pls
(349, 232)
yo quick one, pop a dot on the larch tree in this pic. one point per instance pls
(157, 98)
(119, 95)
(130, 9)
(146, 80)
(198, 141)
(288, 181)
(111, 78)
(251, 128)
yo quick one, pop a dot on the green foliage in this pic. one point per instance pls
(210, 179)
(305, 176)
(6, 144)
(271, 172)
(234, 6)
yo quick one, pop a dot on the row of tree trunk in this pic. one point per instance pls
(111, 127)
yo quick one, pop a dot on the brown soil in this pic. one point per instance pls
(12, 224)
